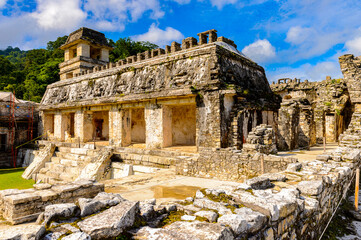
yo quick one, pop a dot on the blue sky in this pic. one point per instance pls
(289, 38)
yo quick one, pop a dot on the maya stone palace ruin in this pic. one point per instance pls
(202, 109)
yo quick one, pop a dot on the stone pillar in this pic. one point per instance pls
(104, 55)
(60, 126)
(320, 125)
(83, 50)
(88, 127)
(154, 126)
(79, 125)
(126, 128)
(208, 120)
(66, 55)
(115, 126)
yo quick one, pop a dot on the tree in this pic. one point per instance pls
(126, 47)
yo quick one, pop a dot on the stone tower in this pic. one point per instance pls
(84, 49)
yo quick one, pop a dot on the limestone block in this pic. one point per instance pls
(259, 182)
(255, 220)
(39, 161)
(128, 170)
(275, 177)
(202, 230)
(77, 236)
(206, 203)
(210, 215)
(63, 210)
(294, 167)
(237, 223)
(102, 200)
(111, 222)
(312, 188)
(29, 232)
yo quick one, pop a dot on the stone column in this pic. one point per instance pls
(79, 125)
(208, 120)
(126, 131)
(115, 126)
(154, 126)
(320, 125)
(60, 126)
(88, 126)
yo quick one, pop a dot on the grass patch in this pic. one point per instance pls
(11, 178)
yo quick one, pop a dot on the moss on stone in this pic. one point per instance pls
(173, 216)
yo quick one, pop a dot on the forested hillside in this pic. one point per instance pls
(29, 72)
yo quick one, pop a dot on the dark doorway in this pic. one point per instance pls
(3, 142)
(98, 128)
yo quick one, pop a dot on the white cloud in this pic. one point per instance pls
(316, 72)
(260, 51)
(221, 3)
(62, 15)
(2, 3)
(298, 35)
(354, 46)
(159, 36)
(111, 15)
(182, 1)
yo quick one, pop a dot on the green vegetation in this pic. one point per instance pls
(28, 73)
(11, 178)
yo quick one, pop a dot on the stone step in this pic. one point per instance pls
(72, 156)
(79, 151)
(72, 163)
(147, 160)
(160, 153)
(57, 167)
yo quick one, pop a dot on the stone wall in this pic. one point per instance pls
(228, 164)
(18, 206)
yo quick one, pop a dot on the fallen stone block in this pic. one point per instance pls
(63, 210)
(294, 167)
(206, 203)
(111, 222)
(259, 183)
(102, 200)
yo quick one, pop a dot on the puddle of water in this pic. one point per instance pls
(177, 192)
(116, 189)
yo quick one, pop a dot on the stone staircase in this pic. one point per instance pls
(65, 165)
(352, 136)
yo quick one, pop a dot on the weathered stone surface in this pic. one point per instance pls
(63, 210)
(89, 206)
(294, 167)
(202, 230)
(147, 211)
(259, 182)
(77, 236)
(312, 188)
(35, 232)
(111, 222)
(39, 161)
(206, 203)
(210, 215)
(255, 220)
(42, 186)
(236, 222)
(95, 169)
(275, 177)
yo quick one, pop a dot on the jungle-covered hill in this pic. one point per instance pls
(29, 72)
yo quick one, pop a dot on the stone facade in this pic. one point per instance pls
(311, 111)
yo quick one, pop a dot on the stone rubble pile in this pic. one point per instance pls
(261, 139)
(293, 204)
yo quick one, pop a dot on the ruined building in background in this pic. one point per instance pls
(18, 124)
(202, 94)
(311, 111)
